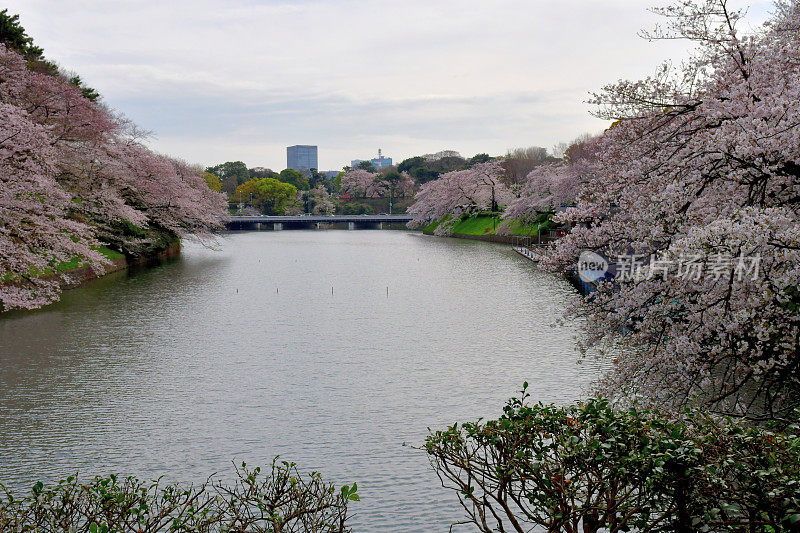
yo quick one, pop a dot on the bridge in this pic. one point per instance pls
(259, 222)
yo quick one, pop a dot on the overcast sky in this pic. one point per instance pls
(226, 80)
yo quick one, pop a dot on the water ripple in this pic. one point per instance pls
(244, 353)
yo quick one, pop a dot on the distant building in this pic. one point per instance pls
(301, 157)
(330, 174)
(376, 162)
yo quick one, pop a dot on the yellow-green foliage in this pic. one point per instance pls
(489, 225)
(477, 225)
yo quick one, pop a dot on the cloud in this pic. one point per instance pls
(242, 79)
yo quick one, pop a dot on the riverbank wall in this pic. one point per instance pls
(76, 277)
(513, 240)
(71, 278)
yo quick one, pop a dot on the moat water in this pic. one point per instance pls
(329, 348)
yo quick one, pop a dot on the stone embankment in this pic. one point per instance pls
(75, 277)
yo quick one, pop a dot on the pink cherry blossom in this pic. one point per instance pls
(480, 188)
(701, 162)
(74, 176)
(361, 183)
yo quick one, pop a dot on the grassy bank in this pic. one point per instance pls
(486, 224)
(76, 271)
(65, 266)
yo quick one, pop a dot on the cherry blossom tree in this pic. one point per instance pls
(76, 175)
(554, 185)
(317, 201)
(479, 188)
(696, 199)
(406, 185)
(397, 184)
(36, 230)
(547, 187)
(361, 183)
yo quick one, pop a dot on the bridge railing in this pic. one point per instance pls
(318, 218)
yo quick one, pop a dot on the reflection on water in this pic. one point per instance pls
(330, 348)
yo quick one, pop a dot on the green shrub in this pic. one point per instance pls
(356, 208)
(280, 499)
(588, 467)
